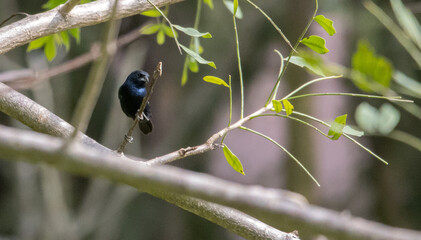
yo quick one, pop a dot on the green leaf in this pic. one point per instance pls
(75, 32)
(150, 29)
(389, 118)
(316, 44)
(370, 68)
(336, 129)
(65, 39)
(350, 131)
(50, 49)
(277, 105)
(230, 5)
(193, 66)
(193, 32)
(160, 37)
(215, 80)
(233, 160)
(288, 107)
(151, 13)
(313, 65)
(326, 24)
(197, 57)
(37, 43)
(168, 31)
(209, 3)
(235, 6)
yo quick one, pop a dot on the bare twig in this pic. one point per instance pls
(50, 22)
(12, 16)
(277, 207)
(26, 78)
(67, 7)
(156, 75)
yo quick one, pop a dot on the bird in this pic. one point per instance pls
(131, 95)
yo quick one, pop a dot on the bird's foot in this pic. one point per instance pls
(128, 138)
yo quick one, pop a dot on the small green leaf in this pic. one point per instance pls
(52, 4)
(336, 129)
(160, 37)
(50, 49)
(65, 39)
(349, 130)
(230, 5)
(168, 31)
(197, 57)
(193, 32)
(151, 13)
(193, 66)
(316, 44)
(235, 6)
(326, 24)
(37, 43)
(277, 105)
(215, 80)
(150, 29)
(209, 3)
(311, 64)
(75, 32)
(288, 107)
(233, 160)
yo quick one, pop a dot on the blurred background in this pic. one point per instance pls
(38, 202)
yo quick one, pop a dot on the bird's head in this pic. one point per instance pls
(139, 77)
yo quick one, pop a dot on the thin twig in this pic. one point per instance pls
(26, 78)
(12, 16)
(127, 138)
(68, 6)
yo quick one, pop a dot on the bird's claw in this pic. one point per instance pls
(128, 138)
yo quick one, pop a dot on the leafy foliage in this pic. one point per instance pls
(316, 44)
(336, 128)
(370, 69)
(326, 24)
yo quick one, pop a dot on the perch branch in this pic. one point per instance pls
(67, 7)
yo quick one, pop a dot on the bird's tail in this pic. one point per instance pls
(145, 126)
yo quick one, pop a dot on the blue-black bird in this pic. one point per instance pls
(131, 95)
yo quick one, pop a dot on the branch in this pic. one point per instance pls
(67, 7)
(80, 159)
(40, 119)
(276, 207)
(26, 78)
(50, 22)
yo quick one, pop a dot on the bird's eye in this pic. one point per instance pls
(139, 75)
